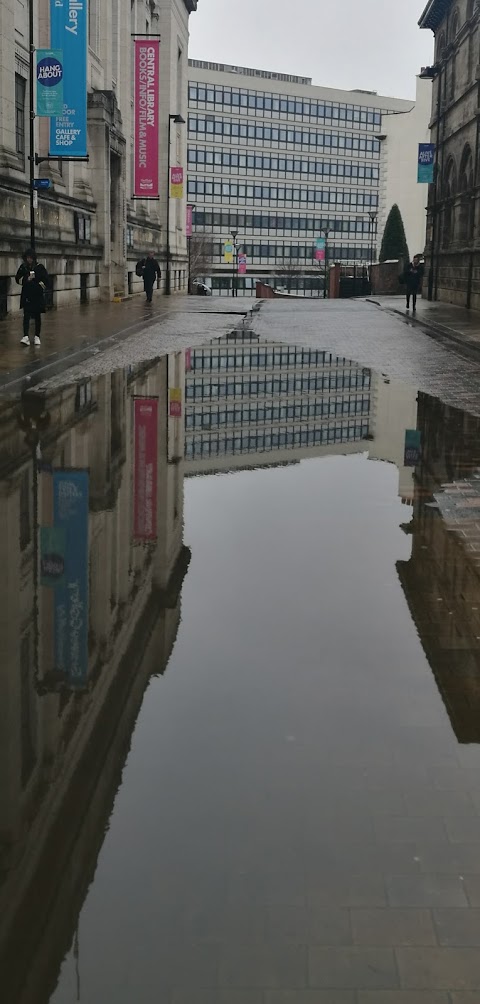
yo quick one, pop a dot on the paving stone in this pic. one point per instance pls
(402, 997)
(456, 859)
(471, 884)
(310, 997)
(408, 829)
(457, 927)
(268, 966)
(347, 891)
(392, 927)
(352, 968)
(214, 996)
(302, 926)
(439, 968)
(431, 890)
(463, 829)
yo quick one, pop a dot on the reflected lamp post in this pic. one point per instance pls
(326, 231)
(234, 263)
(177, 120)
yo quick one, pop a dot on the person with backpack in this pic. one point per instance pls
(148, 269)
(412, 277)
(33, 278)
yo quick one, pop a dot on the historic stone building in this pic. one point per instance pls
(453, 242)
(90, 231)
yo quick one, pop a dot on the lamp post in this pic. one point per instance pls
(31, 101)
(326, 232)
(189, 249)
(178, 120)
(234, 263)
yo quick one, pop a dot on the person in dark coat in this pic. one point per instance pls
(412, 276)
(33, 278)
(150, 270)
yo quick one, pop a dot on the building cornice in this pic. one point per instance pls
(434, 14)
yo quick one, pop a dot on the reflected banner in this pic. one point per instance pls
(69, 35)
(70, 520)
(146, 115)
(145, 468)
(413, 448)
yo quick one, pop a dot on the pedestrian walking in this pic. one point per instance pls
(412, 276)
(33, 278)
(150, 270)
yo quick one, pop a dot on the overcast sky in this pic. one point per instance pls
(373, 44)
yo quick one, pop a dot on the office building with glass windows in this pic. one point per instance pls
(277, 160)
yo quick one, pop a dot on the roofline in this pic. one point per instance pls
(434, 13)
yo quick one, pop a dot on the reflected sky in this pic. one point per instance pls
(276, 727)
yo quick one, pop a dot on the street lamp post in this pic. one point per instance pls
(31, 99)
(189, 249)
(234, 263)
(178, 120)
(326, 232)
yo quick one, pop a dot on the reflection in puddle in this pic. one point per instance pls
(295, 766)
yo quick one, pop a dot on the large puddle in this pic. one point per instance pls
(240, 686)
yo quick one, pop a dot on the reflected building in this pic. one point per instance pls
(252, 403)
(441, 580)
(63, 747)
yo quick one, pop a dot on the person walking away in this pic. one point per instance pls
(412, 276)
(33, 278)
(150, 270)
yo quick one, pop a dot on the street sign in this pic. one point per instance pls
(40, 184)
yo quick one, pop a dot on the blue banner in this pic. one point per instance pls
(70, 515)
(426, 162)
(69, 33)
(413, 447)
(49, 82)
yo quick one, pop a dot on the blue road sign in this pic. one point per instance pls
(41, 183)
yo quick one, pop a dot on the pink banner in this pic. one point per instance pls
(175, 409)
(242, 264)
(188, 360)
(145, 419)
(189, 221)
(146, 112)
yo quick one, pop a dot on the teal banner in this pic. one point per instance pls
(426, 162)
(49, 82)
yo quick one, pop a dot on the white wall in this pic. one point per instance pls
(398, 175)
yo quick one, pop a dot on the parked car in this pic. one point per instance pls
(201, 288)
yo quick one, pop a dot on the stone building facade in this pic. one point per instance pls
(90, 232)
(453, 241)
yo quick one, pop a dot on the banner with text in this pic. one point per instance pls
(146, 115)
(413, 448)
(176, 182)
(320, 249)
(242, 264)
(49, 82)
(70, 518)
(175, 402)
(145, 422)
(69, 34)
(228, 252)
(426, 162)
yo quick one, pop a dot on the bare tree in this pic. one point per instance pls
(288, 271)
(200, 255)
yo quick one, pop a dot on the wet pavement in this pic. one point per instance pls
(446, 321)
(240, 686)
